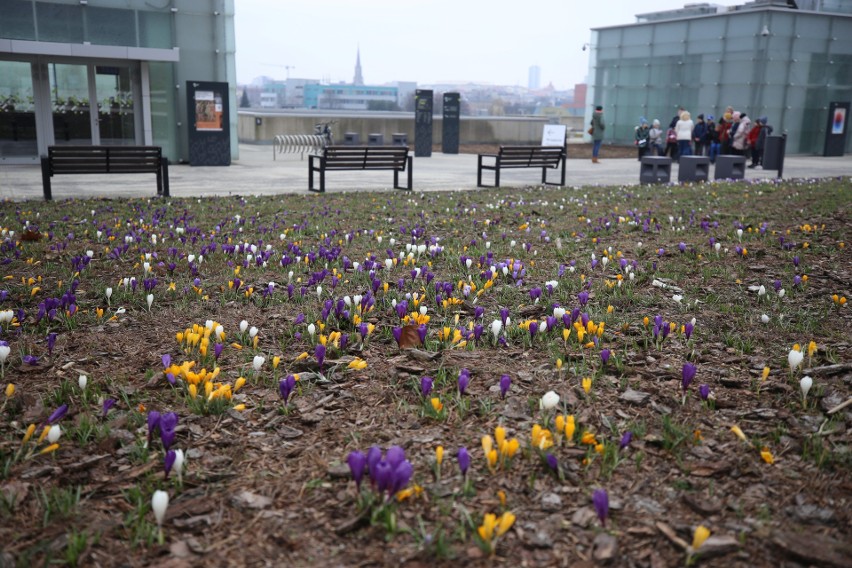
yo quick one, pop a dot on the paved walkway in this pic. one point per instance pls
(256, 173)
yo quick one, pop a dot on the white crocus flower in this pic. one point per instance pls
(795, 358)
(243, 326)
(54, 433)
(150, 299)
(180, 460)
(83, 380)
(806, 383)
(764, 318)
(159, 503)
(312, 329)
(258, 362)
(252, 332)
(549, 400)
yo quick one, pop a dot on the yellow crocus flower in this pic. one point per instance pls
(439, 455)
(739, 433)
(505, 522)
(570, 426)
(10, 390)
(240, 407)
(492, 459)
(275, 361)
(43, 434)
(587, 384)
(302, 355)
(193, 390)
(559, 421)
(486, 529)
(29, 434)
(701, 534)
(50, 449)
(499, 435)
(357, 364)
(487, 444)
(767, 456)
(812, 347)
(239, 383)
(765, 374)
(437, 405)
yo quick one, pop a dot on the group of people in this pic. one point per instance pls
(735, 133)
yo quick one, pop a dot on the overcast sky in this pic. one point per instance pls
(431, 41)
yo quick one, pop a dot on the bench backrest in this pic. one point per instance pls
(532, 156)
(104, 159)
(366, 157)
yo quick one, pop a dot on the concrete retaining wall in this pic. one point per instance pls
(473, 130)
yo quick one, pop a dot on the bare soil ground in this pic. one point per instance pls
(266, 482)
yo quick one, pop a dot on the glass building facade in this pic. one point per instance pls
(762, 59)
(108, 72)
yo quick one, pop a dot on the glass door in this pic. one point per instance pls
(115, 105)
(18, 137)
(69, 93)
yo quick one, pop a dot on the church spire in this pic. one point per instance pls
(359, 79)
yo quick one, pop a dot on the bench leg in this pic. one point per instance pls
(45, 178)
(410, 173)
(165, 169)
(479, 171)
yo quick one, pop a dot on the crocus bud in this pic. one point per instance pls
(795, 358)
(159, 503)
(806, 383)
(83, 380)
(54, 433)
(243, 326)
(150, 299)
(258, 362)
(180, 460)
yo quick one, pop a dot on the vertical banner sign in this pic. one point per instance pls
(836, 129)
(423, 123)
(450, 126)
(209, 123)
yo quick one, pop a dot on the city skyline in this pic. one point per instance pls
(442, 42)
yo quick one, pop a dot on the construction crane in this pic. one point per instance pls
(285, 67)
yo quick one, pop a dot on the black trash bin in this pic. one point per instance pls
(375, 139)
(773, 153)
(351, 139)
(655, 169)
(730, 166)
(693, 168)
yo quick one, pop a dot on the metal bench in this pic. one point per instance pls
(62, 160)
(393, 158)
(544, 157)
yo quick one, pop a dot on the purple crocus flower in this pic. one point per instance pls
(217, 350)
(583, 298)
(153, 423)
(357, 462)
(30, 360)
(381, 475)
(625, 440)
(687, 375)
(505, 385)
(504, 315)
(552, 462)
(687, 330)
(422, 330)
(374, 456)
(51, 341)
(464, 380)
(605, 353)
(464, 460)
(796, 261)
(167, 361)
(704, 391)
(168, 423)
(400, 476)
(600, 500)
(58, 414)
(319, 353)
(426, 386)
(108, 403)
(395, 456)
(286, 386)
(169, 461)
(397, 333)
(533, 329)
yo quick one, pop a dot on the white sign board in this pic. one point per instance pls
(553, 135)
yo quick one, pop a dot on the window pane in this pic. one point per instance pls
(17, 21)
(155, 30)
(59, 22)
(17, 113)
(109, 26)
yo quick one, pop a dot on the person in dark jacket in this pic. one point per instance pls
(597, 131)
(760, 142)
(699, 134)
(713, 144)
(642, 137)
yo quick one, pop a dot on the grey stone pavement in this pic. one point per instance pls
(256, 173)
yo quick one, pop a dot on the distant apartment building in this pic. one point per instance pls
(344, 96)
